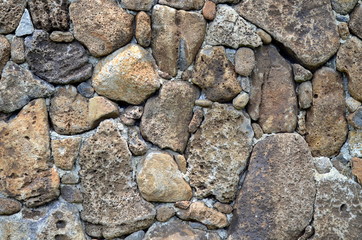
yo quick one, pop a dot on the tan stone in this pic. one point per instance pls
(143, 32)
(203, 103)
(265, 37)
(59, 36)
(183, 204)
(101, 108)
(343, 30)
(355, 22)
(184, 4)
(355, 143)
(352, 104)
(244, 61)
(4, 52)
(258, 131)
(181, 162)
(240, 101)
(164, 213)
(223, 208)
(209, 10)
(301, 74)
(136, 144)
(9, 206)
(138, 5)
(305, 95)
(357, 168)
(65, 152)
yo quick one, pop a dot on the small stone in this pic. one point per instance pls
(187, 75)
(136, 144)
(203, 103)
(100, 108)
(265, 37)
(71, 194)
(305, 95)
(196, 120)
(70, 178)
(198, 211)
(245, 83)
(355, 119)
(132, 112)
(138, 5)
(11, 12)
(143, 32)
(59, 36)
(17, 51)
(209, 10)
(164, 213)
(357, 168)
(244, 61)
(185, 4)
(5, 50)
(355, 143)
(9, 206)
(223, 208)
(343, 6)
(181, 162)
(301, 74)
(160, 180)
(302, 128)
(139, 235)
(25, 26)
(343, 30)
(355, 22)
(65, 152)
(322, 164)
(308, 232)
(182, 204)
(86, 89)
(258, 131)
(240, 101)
(352, 104)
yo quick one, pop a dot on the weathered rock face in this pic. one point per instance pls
(349, 60)
(357, 168)
(277, 196)
(65, 152)
(305, 95)
(325, 122)
(355, 22)
(159, 179)
(315, 42)
(127, 75)
(217, 153)
(102, 26)
(138, 5)
(18, 86)
(185, 5)
(355, 119)
(229, 29)
(274, 106)
(9, 206)
(170, 114)
(4, 52)
(343, 6)
(143, 31)
(25, 172)
(174, 42)
(215, 74)
(10, 14)
(50, 60)
(59, 36)
(111, 199)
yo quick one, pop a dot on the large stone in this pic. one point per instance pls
(274, 106)
(159, 179)
(231, 30)
(4, 52)
(25, 26)
(138, 5)
(215, 74)
(343, 6)
(126, 75)
(355, 22)
(217, 153)
(174, 42)
(11, 12)
(349, 60)
(306, 28)
(325, 122)
(277, 196)
(111, 202)
(166, 117)
(102, 26)
(50, 60)
(18, 86)
(25, 172)
(185, 4)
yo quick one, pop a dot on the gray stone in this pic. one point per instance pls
(355, 119)
(139, 235)
(70, 178)
(185, 4)
(305, 95)
(258, 131)
(244, 61)
(138, 5)
(136, 144)
(4, 52)
(71, 194)
(352, 104)
(17, 50)
(131, 114)
(25, 26)
(355, 143)
(10, 15)
(322, 164)
(196, 120)
(343, 6)
(164, 213)
(301, 74)
(9, 206)
(355, 22)
(86, 89)
(302, 128)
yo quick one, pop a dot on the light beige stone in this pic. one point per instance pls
(100, 108)
(65, 152)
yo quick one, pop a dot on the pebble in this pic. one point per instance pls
(240, 101)
(244, 61)
(209, 10)
(59, 36)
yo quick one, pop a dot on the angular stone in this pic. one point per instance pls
(50, 60)
(139, 235)
(182, 204)
(185, 4)
(355, 143)
(25, 26)
(138, 5)
(143, 32)
(355, 119)
(65, 152)
(240, 101)
(277, 196)
(317, 39)
(355, 22)
(274, 106)
(17, 50)
(25, 172)
(325, 122)
(223, 208)
(18, 86)
(101, 108)
(102, 26)
(164, 213)
(244, 61)
(224, 134)
(159, 179)
(196, 120)
(169, 113)
(4, 52)
(258, 131)
(357, 168)
(131, 114)
(231, 30)
(301, 74)
(71, 194)
(343, 6)
(209, 10)
(136, 144)
(111, 199)
(305, 95)
(11, 12)
(127, 75)
(322, 164)
(215, 74)
(59, 36)
(181, 162)
(9, 206)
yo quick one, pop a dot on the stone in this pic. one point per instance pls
(357, 168)
(215, 74)
(305, 95)
(25, 26)
(131, 114)
(59, 36)
(240, 101)
(209, 10)
(136, 144)
(102, 26)
(355, 22)
(85, 89)
(127, 75)
(25, 172)
(18, 87)
(245, 83)
(264, 36)
(138, 5)
(65, 151)
(70, 178)
(49, 15)
(181, 162)
(17, 230)
(199, 212)
(196, 120)
(318, 40)
(101, 108)
(343, 6)
(50, 61)
(9, 206)
(17, 50)
(174, 42)
(11, 12)
(355, 119)
(4, 51)
(308, 232)
(275, 107)
(139, 235)
(143, 32)
(301, 74)
(224, 134)
(302, 128)
(71, 194)
(322, 164)
(277, 196)
(226, 1)
(337, 209)
(355, 143)
(343, 30)
(205, 103)
(231, 30)
(185, 5)
(258, 131)
(223, 208)
(159, 179)
(244, 61)
(325, 121)
(352, 104)
(182, 204)
(164, 213)
(169, 113)
(108, 186)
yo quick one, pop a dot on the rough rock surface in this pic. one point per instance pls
(224, 134)
(357, 168)
(169, 113)
(4, 51)
(355, 22)
(50, 60)
(223, 208)
(301, 74)
(25, 172)
(209, 10)
(71, 194)
(11, 12)
(65, 152)
(102, 26)
(305, 28)
(196, 120)
(276, 199)
(231, 30)
(343, 6)
(274, 106)
(325, 122)
(17, 50)
(138, 5)
(143, 32)
(9, 206)
(127, 75)
(18, 86)
(164, 213)
(111, 199)
(159, 179)
(355, 119)
(240, 101)
(136, 143)
(185, 4)
(215, 74)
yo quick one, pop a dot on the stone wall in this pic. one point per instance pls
(180, 119)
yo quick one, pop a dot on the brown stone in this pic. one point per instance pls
(244, 61)
(209, 10)
(4, 52)
(343, 30)
(65, 152)
(25, 172)
(258, 131)
(17, 50)
(223, 208)
(164, 213)
(277, 196)
(9, 206)
(101, 108)
(357, 168)
(143, 32)
(102, 26)
(305, 95)
(301, 74)
(196, 120)
(274, 106)
(183, 204)
(59, 36)
(185, 4)
(325, 122)
(71, 194)
(355, 22)
(11, 12)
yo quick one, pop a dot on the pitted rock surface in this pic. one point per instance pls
(11, 12)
